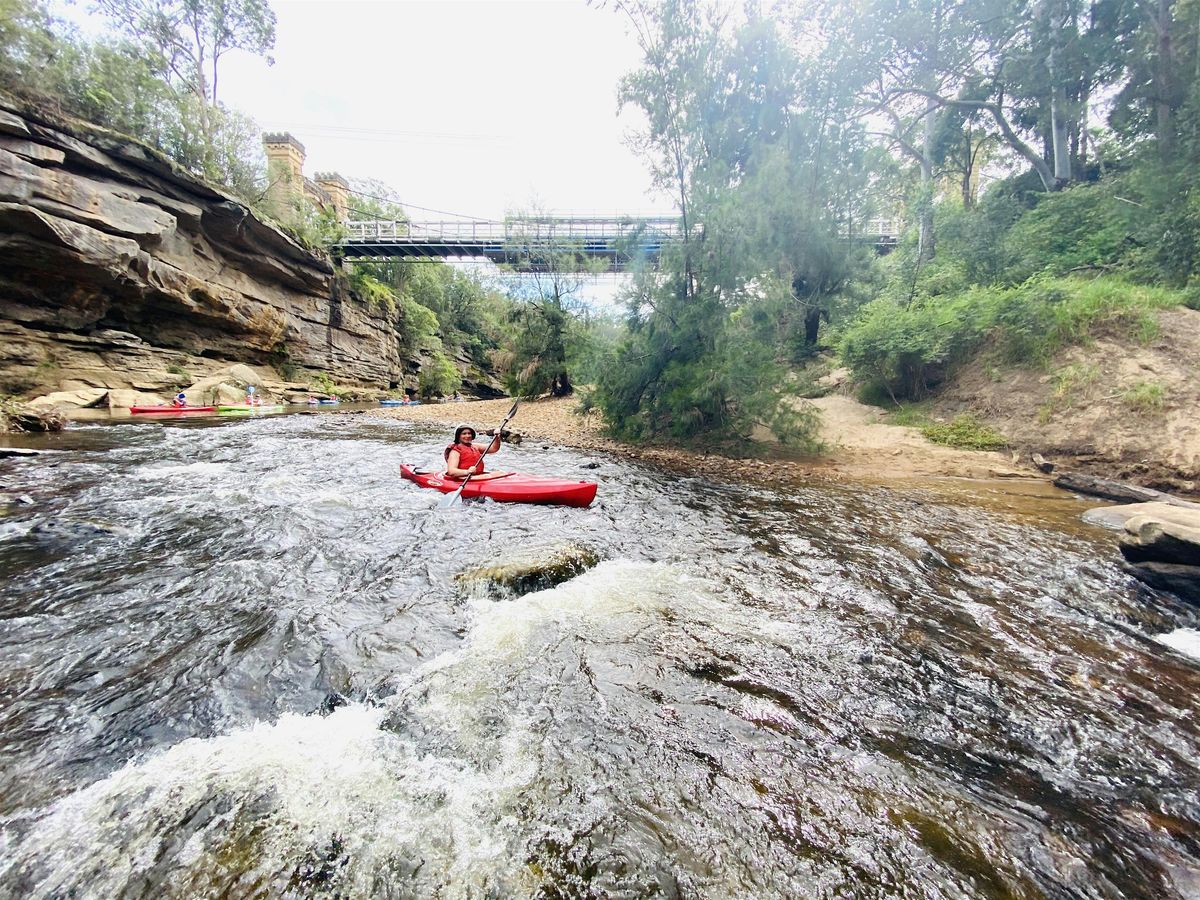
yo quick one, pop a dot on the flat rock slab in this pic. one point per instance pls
(1109, 490)
(1115, 517)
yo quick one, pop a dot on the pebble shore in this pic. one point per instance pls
(857, 447)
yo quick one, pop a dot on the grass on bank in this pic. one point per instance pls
(964, 432)
(904, 351)
(1147, 397)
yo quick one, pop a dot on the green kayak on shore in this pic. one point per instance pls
(243, 408)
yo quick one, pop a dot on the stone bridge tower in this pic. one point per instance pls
(336, 188)
(287, 188)
(285, 174)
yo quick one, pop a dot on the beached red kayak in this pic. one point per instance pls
(514, 488)
(171, 409)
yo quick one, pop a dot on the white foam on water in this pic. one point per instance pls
(1185, 640)
(438, 792)
(10, 530)
(206, 470)
(274, 796)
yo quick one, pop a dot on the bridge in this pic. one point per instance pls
(537, 243)
(527, 243)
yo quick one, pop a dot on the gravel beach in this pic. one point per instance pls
(858, 444)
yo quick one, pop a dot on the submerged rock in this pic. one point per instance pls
(63, 532)
(1115, 517)
(1182, 581)
(14, 417)
(528, 570)
(1102, 487)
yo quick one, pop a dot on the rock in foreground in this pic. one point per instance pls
(1161, 543)
(17, 417)
(533, 569)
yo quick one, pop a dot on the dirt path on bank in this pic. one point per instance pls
(858, 445)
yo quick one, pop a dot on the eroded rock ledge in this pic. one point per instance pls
(1160, 542)
(120, 270)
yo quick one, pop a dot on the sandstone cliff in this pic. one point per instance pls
(120, 270)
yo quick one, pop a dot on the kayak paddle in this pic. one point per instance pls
(450, 499)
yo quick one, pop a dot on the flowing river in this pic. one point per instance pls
(234, 663)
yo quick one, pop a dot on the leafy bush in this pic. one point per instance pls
(908, 350)
(373, 292)
(438, 377)
(966, 433)
(700, 365)
(912, 415)
(281, 361)
(418, 327)
(1083, 227)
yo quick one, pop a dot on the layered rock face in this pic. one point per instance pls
(120, 270)
(1160, 542)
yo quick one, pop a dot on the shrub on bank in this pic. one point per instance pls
(965, 432)
(908, 350)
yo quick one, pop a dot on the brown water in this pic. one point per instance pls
(233, 663)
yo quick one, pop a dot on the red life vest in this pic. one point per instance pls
(467, 457)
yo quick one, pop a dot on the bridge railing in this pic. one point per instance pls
(511, 230)
(516, 231)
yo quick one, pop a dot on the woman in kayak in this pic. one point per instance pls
(464, 458)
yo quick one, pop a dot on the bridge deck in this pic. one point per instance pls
(529, 243)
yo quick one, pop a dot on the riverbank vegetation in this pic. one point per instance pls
(910, 189)
(1038, 162)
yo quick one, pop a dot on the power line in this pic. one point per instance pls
(440, 212)
(384, 132)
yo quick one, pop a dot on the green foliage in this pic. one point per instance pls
(1083, 228)
(418, 327)
(373, 292)
(1145, 397)
(313, 226)
(145, 84)
(281, 361)
(906, 351)
(372, 200)
(537, 363)
(438, 377)
(1191, 296)
(697, 368)
(965, 432)
(321, 383)
(911, 415)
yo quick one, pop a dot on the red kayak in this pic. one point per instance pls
(171, 409)
(514, 488)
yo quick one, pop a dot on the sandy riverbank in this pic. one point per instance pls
(858, 444)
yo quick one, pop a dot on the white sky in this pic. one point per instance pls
(471, 106)
(479, 107)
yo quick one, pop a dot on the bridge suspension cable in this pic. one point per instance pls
(440, 212)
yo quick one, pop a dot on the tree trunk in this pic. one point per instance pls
(812, 325)
(1059, 137)
(925, 235)
(561, 386)
(1162, 78)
